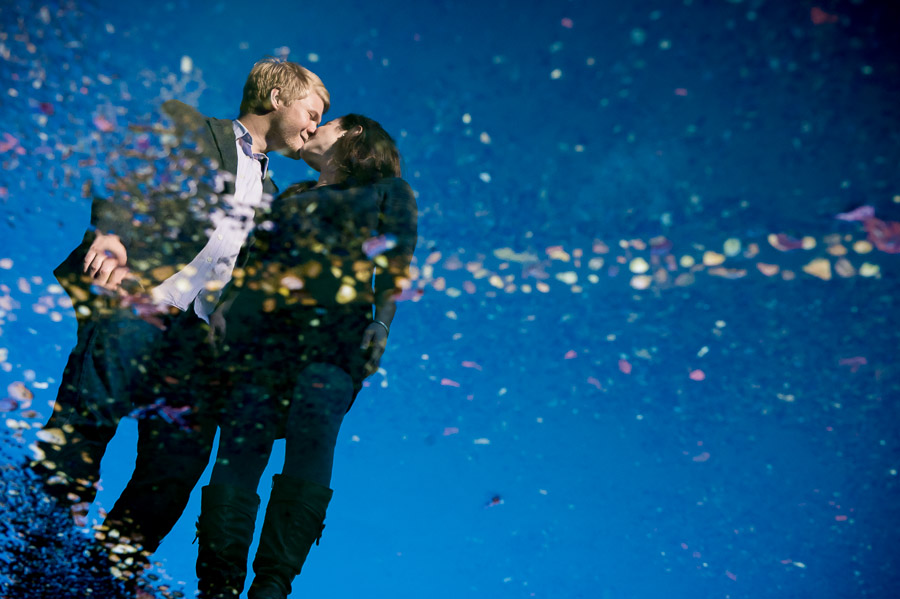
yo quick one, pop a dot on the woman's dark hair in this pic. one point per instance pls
(368, 156)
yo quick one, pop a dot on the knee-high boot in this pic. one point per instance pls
(294, 521)
(225, 531)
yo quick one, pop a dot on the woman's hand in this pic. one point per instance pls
(376, 337)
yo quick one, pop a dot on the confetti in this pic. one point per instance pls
(820, 268)
(820, 17)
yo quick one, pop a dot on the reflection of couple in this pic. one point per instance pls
(258, 322)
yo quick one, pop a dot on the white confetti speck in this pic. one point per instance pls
(312, 57)
(555, 74)
(486, 177)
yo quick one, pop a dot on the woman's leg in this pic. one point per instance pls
(321, 397)
(296, 511)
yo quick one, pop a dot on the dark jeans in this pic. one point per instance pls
(321, 396)
(123, 365)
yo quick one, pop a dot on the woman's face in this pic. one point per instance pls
(321, 142)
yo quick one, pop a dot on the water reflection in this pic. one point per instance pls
(202, 303)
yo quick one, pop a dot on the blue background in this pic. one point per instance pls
(701, 121)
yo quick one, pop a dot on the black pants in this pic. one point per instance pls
(321, 396)
(122, 365)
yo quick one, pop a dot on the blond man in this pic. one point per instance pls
(173, 240)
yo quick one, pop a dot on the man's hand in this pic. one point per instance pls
(105, 261)
(376, 336)
(216, 337)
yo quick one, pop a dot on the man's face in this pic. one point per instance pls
(295, 123)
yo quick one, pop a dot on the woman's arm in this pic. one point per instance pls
(398, 219)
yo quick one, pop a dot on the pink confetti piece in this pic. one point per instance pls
(884, 235)
(409, 294)
(19, 391)
(730, 575)
(787, 561)
(449, 383)
(820, 17)
(571, 354)
(702, 457)
(567, 23)
(784, 242)
(103, 124)
(858, 214)
(841, 518)
(680, 91)
(375, 246)
(9, 142)
(854, 363)
(697, 375)
(594, 382)
(684, 545)
(469, 364)
(7, 404)
(660, 246)
(450, 430)
(625, 366)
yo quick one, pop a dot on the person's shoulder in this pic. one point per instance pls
(296, 189)
(184, 115)
(396, 185)
(181, 111)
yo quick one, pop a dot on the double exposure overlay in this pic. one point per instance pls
(582, 299)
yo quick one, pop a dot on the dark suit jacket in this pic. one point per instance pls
(174, 177)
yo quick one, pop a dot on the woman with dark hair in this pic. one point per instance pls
(299, 337)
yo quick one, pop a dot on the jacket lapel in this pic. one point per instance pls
(223, 134)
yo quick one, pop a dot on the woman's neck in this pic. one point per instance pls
(329, 175)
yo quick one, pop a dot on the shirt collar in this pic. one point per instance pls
(242, 136)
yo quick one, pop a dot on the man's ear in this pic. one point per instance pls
(356, 130)
(275, 98)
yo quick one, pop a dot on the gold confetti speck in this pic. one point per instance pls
(820, 268)
(639, 266)
(711, 258)
(870, 270)
(862, 247)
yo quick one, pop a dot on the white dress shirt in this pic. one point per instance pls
(210, 271)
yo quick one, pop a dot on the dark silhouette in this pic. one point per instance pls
(151, 269)
(300, 338)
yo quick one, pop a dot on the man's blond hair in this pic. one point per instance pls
(294, 81)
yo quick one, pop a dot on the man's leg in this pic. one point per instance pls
(174, 439)
(89, 405)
